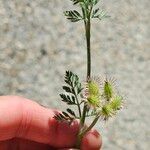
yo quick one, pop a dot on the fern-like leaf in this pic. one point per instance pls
(95, 1)
(72, 80)
(99, 15)
(77, 1)
(73, 15)
(69, 99)
(68, 89)
(71, 112)
(68, 116)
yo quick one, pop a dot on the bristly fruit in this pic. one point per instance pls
(93, 101)
(93, 88)
(106, 112)
(116, 103)
(108, 89)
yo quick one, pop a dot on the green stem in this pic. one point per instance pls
(91, 126)
(88, 42)
(83, 132)
(82, 120)
(87, 23)
(76, 97)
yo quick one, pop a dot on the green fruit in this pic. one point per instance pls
(93, 88)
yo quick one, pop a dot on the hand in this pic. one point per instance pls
(25, 125)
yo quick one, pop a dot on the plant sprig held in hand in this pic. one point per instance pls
(97, 98)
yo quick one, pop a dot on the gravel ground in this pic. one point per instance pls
(38, 44)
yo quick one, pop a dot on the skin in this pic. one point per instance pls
(26, 125)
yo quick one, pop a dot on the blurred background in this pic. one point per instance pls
(37, 45)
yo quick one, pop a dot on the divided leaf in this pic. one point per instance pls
(95, 12)
(68, 89)
(95, 2)
(60, 117)
(99, 15)
(71, 112)
(67, 116)
(73, 15)
(64, 116)
(72, 80)
(69, 99)
(77, 1)
(91, 113)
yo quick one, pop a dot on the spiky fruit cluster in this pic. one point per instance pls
(104, 100)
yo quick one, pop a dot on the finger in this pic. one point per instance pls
(22, 144)
(68, 149)
(23, 118)
(26, 119)
(91, 141)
